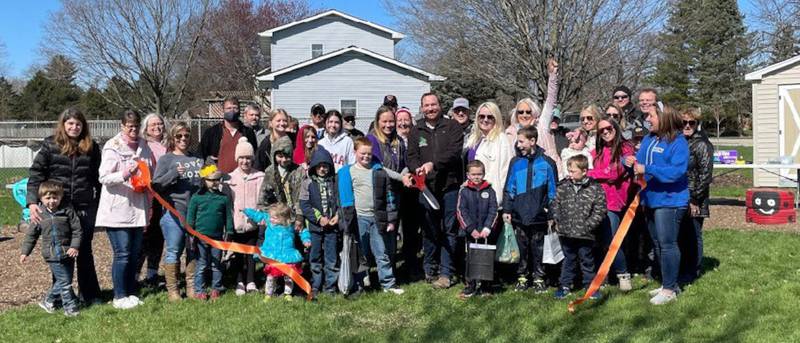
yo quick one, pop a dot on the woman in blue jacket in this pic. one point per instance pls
(662, 161)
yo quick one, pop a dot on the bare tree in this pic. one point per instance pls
(597, 42)
(147, 46)
(780, 29)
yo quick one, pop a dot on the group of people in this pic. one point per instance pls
(305, 196)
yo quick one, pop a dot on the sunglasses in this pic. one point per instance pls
(690, 122)
(485, 117)
(613, 115)
(587, 118)
(183, 135)
(603, 130)
(460, 110)
(524, 112)
(620, 97)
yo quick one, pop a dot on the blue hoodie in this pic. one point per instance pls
(665, 166)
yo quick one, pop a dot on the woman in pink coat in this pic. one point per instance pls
(609, 171)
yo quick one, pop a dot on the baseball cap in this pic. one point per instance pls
(318, 108)
(460, 102)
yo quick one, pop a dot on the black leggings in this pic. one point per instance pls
(245, 265)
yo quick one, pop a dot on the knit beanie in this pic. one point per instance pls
(243, 148)
(624, 89)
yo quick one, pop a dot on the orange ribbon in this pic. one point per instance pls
(616, 243)
(143, 178)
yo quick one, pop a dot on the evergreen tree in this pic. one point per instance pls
(7, 99)
(61, 69)
(43, 98)
(673, 67)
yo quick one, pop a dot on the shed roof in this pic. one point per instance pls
(759, 74)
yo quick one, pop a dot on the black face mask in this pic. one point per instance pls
(231, 116)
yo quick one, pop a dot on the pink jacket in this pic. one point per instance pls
(613, 177)
(120, 206)
(243, 190)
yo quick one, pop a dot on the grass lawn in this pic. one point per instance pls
(745, 177)
(747, 294)
(11, 211)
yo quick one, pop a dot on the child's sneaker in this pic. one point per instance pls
(538, 286)
(47, 306)
(468, 291)
(200, 296)
(522, 284)
(596, 295)
(240, 290)
(71, 312)
(251, 287)
(214, 295)
(394, 289)
(663, 297)
(562, 293)
(625, 284)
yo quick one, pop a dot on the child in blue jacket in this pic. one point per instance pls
(477, 214)
(530, 187)
(279, 238)
(319, 204)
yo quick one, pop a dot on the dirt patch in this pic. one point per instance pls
(732, 179)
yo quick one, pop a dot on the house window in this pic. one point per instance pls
(316, 50)
(349, 108)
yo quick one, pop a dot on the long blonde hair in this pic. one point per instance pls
(497, 130)
(382, 138)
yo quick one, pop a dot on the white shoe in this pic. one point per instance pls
(240, 289)
(123, 304)
(135, 300)
(251, 287)
(394, 289)
(654, 292)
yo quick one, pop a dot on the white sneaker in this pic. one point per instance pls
(394, 289)
(135, 300)
(240, 289)
(123, 304)
(654, 292)
(251, 287)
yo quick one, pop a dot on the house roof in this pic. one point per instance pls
(759, 74)
(271, 76)
(395, 35)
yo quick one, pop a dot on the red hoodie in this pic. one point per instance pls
(613, 177)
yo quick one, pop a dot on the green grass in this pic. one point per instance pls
(737, 190)
(11, 211)
(747, 294)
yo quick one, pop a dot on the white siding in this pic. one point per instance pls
(293, 45)
(350, 76)
(765, 120)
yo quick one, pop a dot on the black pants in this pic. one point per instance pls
(244, 265)
(88, 286)
(576, 251)
(152, 241)
(531, 244)
(410, 232)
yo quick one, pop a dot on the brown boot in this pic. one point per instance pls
(171, 274)
(190, 279)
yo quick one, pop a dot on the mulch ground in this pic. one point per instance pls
(25, 284)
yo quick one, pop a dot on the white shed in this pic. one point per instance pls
(776, 118)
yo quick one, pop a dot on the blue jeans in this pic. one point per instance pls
(62, 284)
(664, 225)
(576, 250)
(439, 234)
(126, 244)
(208, 256)
(324, 249)
(372, 242)
(175, 239)
(89, 288)
(690, 241)
(608, 229)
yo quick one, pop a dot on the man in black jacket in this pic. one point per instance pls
(434, 150)
(222, 147)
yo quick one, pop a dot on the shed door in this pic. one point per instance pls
(789, 121)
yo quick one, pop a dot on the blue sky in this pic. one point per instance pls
(21, 25)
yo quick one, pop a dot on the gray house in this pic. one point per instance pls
(341, 61)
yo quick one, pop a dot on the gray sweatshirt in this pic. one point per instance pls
(174, 187)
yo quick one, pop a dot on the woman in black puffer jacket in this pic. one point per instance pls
(72, 158)
(699, 171)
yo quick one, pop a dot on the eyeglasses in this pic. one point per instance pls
(486, 117)
(587, 118)
(690, 122)
(620, 97)
(182, 136)
(604, 130)
(524, 112)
